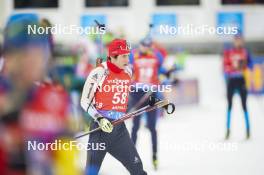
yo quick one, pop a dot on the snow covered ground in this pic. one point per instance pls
(192, 140)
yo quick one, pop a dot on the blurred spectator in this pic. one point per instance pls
(20, 52)
(29, 111)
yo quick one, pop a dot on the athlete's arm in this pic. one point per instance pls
(249, 60)
(91, 85)
(227, 66)
(131, 57)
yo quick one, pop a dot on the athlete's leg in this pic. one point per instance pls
(151, 123)
(243, 95)
(135, 97)
(230, 93)
(136, 125)
(95, 157)
(124, 150)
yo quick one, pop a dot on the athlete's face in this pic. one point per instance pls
(121, 61)
(27, 66)
(238, 42)
(144, 49)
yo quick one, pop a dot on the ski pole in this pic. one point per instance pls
(141, 101)
(100, 59)
(150, 107)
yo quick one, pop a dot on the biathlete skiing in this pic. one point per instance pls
(236, 60)
(106, 105)
(146, 63)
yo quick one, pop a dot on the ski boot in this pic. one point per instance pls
(227, 134)
(248, 134)
(155, 162)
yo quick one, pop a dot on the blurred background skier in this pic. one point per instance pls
(236, 60)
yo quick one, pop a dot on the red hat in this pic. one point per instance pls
(118, 47)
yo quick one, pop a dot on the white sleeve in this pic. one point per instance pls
(91, 85)
(129, 70)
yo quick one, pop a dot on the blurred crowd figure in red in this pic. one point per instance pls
(31, 109)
